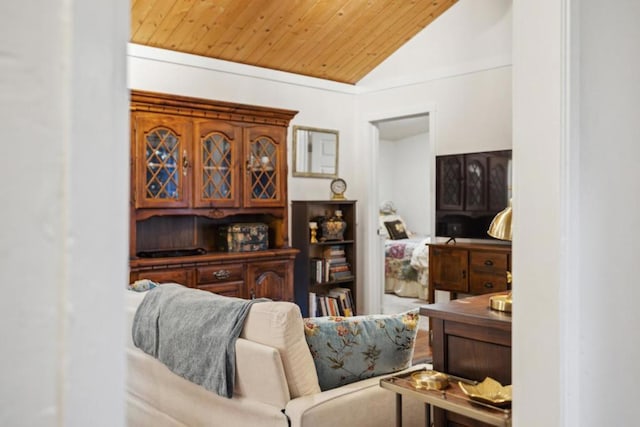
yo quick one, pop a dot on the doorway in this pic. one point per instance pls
(404, 174)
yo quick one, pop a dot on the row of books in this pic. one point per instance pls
(337, 302)
(333, 265)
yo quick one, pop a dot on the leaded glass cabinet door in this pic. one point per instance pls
(217, 178)
(162, 161)
(451, 189)
(498, 183)
(265, 166)
(476, 182)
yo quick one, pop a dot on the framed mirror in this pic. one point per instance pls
(315, 152)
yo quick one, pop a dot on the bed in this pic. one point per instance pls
(406, 258)
(406, 267)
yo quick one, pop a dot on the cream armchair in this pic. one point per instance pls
(276, 384)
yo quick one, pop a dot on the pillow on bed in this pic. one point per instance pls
(396, 230)
(349, 349)
(388, 218)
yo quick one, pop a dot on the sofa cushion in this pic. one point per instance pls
(279, 325)
(348, 349)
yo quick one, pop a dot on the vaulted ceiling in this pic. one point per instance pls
(339, 40)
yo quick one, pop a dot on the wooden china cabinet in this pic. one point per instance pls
(198, 166)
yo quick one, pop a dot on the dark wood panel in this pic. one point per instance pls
(477, 360)
(165, 232)
(472, 341)
(479, 333)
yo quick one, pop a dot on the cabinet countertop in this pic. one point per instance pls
(213, 256)
(472, 310)
(498, 247)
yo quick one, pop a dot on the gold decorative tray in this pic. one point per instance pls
(488, 391)
(430, 380)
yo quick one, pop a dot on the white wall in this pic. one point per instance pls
(387, 163)
(471, 36)
(472, 111)
(575, 203)
(405, 178)
(63, 267)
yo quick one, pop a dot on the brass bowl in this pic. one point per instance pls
(430, 380)
(488, 391)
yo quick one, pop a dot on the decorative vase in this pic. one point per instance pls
(333, 228)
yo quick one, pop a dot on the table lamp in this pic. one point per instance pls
(500, 228)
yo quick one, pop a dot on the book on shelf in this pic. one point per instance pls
(340, 275)
(346, 301)
(340, 267)
(333, 251)
(313, 304)
(336, 302)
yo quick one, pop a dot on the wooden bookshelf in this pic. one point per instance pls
(326, 266)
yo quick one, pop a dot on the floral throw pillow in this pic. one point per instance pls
(349, 349)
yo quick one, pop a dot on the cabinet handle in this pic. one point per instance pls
(488, 262)
(464, 274)
(185, 163)
(488, 285)
(252, 294)
(222, 274)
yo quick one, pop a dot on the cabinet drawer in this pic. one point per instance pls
(488, 261)
(482, 283)
(182, 277)
(229, 289)
(220, 274)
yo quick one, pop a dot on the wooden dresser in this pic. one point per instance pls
(468, 268)
(198, 166)
(471, 341)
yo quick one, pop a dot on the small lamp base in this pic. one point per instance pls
(501, 302)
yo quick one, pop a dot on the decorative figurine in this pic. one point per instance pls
(313, 226)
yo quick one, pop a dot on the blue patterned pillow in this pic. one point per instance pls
(349, 349)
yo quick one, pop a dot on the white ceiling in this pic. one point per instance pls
(396, 129)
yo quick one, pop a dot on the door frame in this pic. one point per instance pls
(373, 271)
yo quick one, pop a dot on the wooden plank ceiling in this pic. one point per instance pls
(339, 40)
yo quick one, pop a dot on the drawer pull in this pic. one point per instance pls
(488, 262)
(222, 274)
(488, 285)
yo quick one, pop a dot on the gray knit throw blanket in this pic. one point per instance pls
(193, 332)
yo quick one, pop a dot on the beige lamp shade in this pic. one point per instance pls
(500, 227)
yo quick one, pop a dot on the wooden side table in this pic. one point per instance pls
(451, 399)
(470, 341)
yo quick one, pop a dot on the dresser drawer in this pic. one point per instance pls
(482, 283)
(216, 274)
(488, 261)
(229, 289)
(182, 277)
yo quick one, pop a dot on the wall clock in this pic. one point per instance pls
(338, 187)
